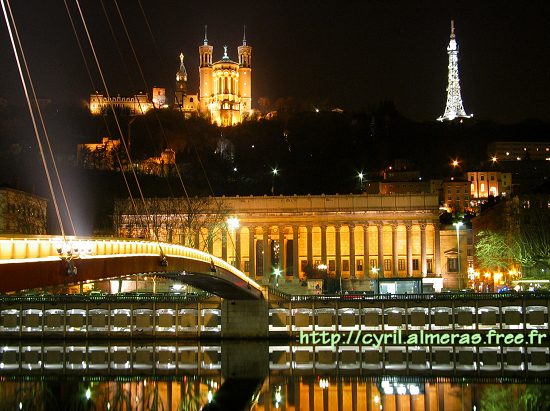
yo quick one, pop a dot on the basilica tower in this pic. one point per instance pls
(181, 84)
(205, 74)
(245, 76)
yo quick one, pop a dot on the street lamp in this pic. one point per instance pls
(458, 225)
(275, 173)
(277, 274)
(360, 175)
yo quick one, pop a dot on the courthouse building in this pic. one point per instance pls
(354, 236)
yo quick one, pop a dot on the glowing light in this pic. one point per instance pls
(210, 396)
(322, 267)
(175, 287)
(455, 163)
(414, 390)
(494, 159)
(88, 394)
(277, 272)
(233, 223)
(275, 171)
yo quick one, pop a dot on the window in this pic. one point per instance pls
(345, 265)
(359, 265)
(482, 187)
(492, 178)
(373, 263)
(401, 264)
(247, 266)
(429, 265)
(482, 178)
(331, 265)
(415, 264)
(303, 265)
(471, 178)
(387, 264)
(452, 265)
(191, 99)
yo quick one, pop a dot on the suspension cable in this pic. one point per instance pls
(146, 208)
(119, 162)
(31, 112)
(44, 130)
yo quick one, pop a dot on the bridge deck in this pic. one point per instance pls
(43, 261)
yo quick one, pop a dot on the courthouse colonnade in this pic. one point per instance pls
(354, 236)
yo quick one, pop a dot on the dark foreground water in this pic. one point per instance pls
(239, 375)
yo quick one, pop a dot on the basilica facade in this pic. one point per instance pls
(225, 86)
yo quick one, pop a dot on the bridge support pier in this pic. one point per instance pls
(238, 362)
(245, 318)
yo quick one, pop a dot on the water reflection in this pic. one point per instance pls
(243, 375)
(279, 393)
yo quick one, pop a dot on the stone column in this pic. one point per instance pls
(366, 255)
(198, 239)
(394, 250)
(338, 250)
(265, 242)
(380, 227)
(224, 244)
(282, 251)
(309, 245)
(251, 251)
(238, 248)
(409, 250)
(423, 248)
(324, 244)
(437, 251)
(295, 256)
(352, 250)
(210, 239)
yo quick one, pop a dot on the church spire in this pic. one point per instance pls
(181, 75)
(205, 35)
(244, 35)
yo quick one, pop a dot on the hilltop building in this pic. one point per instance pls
(225, 90)
(225, 86)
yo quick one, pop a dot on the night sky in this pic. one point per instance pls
(351, 54)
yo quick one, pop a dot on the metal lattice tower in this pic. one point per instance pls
(454, 107)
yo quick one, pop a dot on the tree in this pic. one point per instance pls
(174, 220)
(492, 251)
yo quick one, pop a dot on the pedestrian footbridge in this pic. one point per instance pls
(45, 261)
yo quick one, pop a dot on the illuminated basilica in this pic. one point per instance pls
(225, 90)
(225, 86)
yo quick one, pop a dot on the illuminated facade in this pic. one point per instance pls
(355, 236)
(454, 108)
(21, 212)
(225, 86)
(456, 194)
(138, 104)
(489, 183)
(100, 156)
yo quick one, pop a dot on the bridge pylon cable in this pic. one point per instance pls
(122, 138)
(6, 4)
